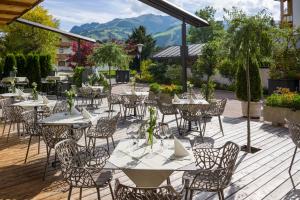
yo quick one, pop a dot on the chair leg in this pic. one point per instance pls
(47, 162)
(186, 194)
(107, 142)
(70, 193)
(191, 194)
(28, 148)
(221, 126)
(222, 195)
(4, 128)
(98, 193)
(163, 118)
(8, 131)
(112, 138)
(39, 144)
(176, 121)
(111, 192)
(80, 193)
(290, 168)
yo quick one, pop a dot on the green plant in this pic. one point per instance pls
(171, 89)
(77, 77)
(284, 98)
(70, 94)
(46, 65)
(33, 68)
(155, 88)
(145, 76)
(241, 84)
(21, 65)
(9, 64)
(34, 91)
(158, 71)
(152, 125)
(228, 68)
(208, 90)
(174, 74)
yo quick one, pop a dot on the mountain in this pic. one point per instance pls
(165, 29)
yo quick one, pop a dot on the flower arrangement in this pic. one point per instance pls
(70, 99)
(12, 86)
(34, 91)
(133, 82)
(152, 125)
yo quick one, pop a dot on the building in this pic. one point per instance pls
(64, 51)
(290, 12)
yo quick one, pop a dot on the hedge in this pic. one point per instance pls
(45, 65)
(33, 68)
(9, 64)
(21, 65)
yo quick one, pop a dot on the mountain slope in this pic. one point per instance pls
(165, 29)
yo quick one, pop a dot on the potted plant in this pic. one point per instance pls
(70, 99)
(34, 91)
(256, 90)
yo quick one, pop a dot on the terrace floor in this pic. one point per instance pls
(263, 175)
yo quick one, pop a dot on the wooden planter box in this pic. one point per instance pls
(277, 115)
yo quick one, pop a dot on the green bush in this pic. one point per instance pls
(208, 90)
(155, 87)
(146, 76)
(77, 77)
(158, 71)
(21, 65)
(174, 74)
(255, 83)
(9, 64)
(33, 68)
(46, 65)
(228, 69)
(285, 100)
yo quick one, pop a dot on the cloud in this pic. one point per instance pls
(76, 12)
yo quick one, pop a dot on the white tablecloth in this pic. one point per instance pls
(14, 95)
(136, 93)
(188, 102)
(146, 167)
(65, 118)
(32, 103)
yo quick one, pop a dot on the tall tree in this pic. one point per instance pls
(25, 39)
(139, 36)
(209, 33)
(86, 49)
(250, 42)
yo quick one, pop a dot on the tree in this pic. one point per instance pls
(86, 49)
(139, 36)
(45, 65)
(33, 69)
(26, 39)
(21, 65)
(250, 42)
(9, 64)
(207, 64)
(110, 54)
(209, 33)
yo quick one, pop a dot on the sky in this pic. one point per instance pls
(77, 12)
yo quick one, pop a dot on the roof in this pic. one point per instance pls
(174, 52)
(48, 28)
(13, 9)
(177, 12)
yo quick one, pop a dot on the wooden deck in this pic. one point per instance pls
(263, 175)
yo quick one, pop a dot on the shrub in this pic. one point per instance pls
(171, 89)
(9, 64)
(155, 87)
(33, 68)
(255, 83)
(158, 71)
(208, 90)
(284, 98)
(174, 74)
(77, 77)
(21, 65)
(228, 69)
(146, 76)
(46, 66)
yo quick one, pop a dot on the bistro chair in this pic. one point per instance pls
(114, 99)
(150, 101)
(100, 95)
(105, 129)
(123, 192)
(216, 109)
(166, 107)
(82, 167)
(86, 95)
(5, 103)
(14, 118)
(132, 103)
(31, 129)
(294, 130)
(60, 106)
(52, 134)
(216, 167)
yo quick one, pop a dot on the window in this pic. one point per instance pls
(61, 50)
(61, 63)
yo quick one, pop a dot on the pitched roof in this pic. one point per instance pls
(174, 52)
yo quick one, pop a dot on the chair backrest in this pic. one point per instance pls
(28, 118)
(52, 134)
(217, 107)
(5, 106)
(60, 106)
(294, 130)
(123, 192)
(130, 100)
(107, 126)
(15, 113)
(165, 98)
(86, 91)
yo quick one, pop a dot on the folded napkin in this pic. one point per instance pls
(86, 114)
(191, 99)
(40, 98)
(45, 100)
(180, 150)
(19, 92)
(176, 99)
(74, 111)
